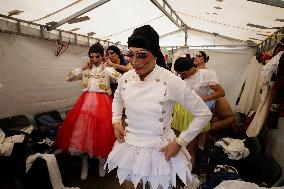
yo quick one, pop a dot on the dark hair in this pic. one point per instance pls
(161, 60)
(96, 48)
(205, 56)
(188, 56)
(117, 51)
(183, 64)
(146, 37)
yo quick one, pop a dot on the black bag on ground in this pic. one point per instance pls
(17, 122)
(48, 123)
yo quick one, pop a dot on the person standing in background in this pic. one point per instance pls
(115, 59)
(201, 82)
(87, 129)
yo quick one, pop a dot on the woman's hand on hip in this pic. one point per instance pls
(119, 132)
(171, 150)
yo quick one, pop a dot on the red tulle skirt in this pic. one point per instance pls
(88, 127)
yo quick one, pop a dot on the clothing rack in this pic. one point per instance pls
(270, 41)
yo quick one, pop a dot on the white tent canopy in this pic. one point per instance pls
(116, 19)
(223, 29)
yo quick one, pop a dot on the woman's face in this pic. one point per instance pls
(95, 59)
(142, 61)
(198, 60)
(112, 56)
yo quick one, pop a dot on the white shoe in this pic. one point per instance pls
(84, 174)
(85, 168)
(102, 171)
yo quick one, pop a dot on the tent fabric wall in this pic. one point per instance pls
(33, 77)
(230, 66)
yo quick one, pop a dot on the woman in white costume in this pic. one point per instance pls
(147, 149)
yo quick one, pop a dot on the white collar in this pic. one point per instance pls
(151, 76)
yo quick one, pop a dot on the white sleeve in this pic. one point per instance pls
(209, 78)
(117, 104)
(187, 97)
(114, 75)
(74, 75)
(213, 76)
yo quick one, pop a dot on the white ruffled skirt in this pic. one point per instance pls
(146, 164)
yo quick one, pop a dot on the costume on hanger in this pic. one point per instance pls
(250, 97)
(87, 127)
(148, 108)
(278, 97)
(265, 98)
(199, 83)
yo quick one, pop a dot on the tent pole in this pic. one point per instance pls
(165, 7)
(275, 3)
(77, 14)
(185, 38)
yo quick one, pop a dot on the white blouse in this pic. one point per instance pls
(201, 80)
(96, 79)
(271, 68)
(149, 104)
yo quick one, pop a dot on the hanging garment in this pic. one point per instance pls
(265, 99)
(250, 97)
(278, 97)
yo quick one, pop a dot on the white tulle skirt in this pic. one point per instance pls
(146, 164)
